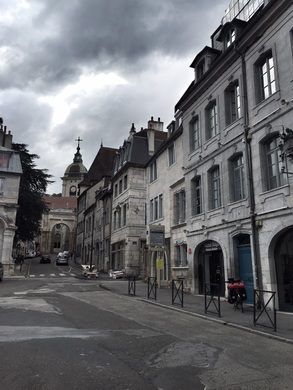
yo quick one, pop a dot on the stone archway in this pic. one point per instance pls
(60, 238)
(283, 255)
(210, 265)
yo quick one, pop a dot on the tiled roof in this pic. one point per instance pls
(102, 166)
(60, 202)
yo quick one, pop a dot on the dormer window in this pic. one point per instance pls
(230, 37)
(200, 70)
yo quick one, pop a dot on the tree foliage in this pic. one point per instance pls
(33, 185)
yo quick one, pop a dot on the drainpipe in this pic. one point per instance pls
(92, 240)
(248, 153)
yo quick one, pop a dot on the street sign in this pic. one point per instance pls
(157, 236)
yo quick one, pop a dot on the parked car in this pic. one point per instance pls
(1, 272)
(45, 259)
(89, 272)
(61, 259)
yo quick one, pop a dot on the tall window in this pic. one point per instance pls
(161, 206)
(153, 171)
(125, 182)
(194, 134)
(214, 188)
(238, 179)
(171, 154)
(274, 176)
(265, 77)
(196, 197)
(115, 189)
(179, 207)
(212, 127)
(232, 103)
(120, 186)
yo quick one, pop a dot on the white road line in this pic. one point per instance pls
(42, 275)
(62, 274)
(72, 274)
(32, 276)
(52, 274)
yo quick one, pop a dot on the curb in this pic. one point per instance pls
(221, 322)
(207, 318)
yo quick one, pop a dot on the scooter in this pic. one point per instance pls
(236, 293)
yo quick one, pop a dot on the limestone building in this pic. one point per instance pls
(166, 208)
(235, 113)
(129, 183)
(10, 173)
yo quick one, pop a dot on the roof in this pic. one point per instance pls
(205, 50)
(102, 166)
(60, 202)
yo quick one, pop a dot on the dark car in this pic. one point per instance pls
(45, 259)
(1, 272)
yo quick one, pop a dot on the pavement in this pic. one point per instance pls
(195, 305)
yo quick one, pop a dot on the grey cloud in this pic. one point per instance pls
(118, 34)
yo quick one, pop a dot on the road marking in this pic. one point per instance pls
(62, 274)
(52, 274)
(32, 276)
(72, 274)
(42, 275)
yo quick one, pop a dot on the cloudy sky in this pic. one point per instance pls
(90, 68)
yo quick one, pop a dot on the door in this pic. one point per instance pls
(245, 270)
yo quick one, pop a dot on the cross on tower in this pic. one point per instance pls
(78, 140)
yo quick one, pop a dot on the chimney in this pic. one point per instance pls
(156, 125)
(8, 140)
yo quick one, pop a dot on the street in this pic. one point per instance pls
(61, 332)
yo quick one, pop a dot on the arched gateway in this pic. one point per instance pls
(209, 266)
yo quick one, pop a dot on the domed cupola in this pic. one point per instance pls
(74, 174)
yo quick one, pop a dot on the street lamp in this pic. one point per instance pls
(286, 147)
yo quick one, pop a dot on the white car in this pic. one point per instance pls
(117, 274)
(89, 273)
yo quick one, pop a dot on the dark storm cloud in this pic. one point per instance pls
(65, 36)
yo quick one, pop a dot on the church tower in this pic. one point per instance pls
(74, 174)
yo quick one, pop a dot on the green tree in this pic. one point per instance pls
(33, 185)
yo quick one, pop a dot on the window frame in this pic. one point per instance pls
(214, 188)
(171, 155)
(237, 175)
(232, 103)
(281, 178)
(196, 194)
(269, 82)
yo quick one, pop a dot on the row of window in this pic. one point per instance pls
(171, 160)
(272, 173)
(156, 208)
(265, 86)
(120, 186)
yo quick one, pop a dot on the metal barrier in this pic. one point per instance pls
(177, 291)
(131, 285)
(212, 296)
(152, 287)
(262, 307)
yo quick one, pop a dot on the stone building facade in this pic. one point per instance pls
(94, 212)
(10, 173)
(238, 191)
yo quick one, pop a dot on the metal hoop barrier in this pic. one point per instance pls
(212, 298)
(152, 287)
(131, 285)
(261, 308)
(177, 291)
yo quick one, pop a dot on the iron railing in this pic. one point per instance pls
(212, 298)
(261, 308)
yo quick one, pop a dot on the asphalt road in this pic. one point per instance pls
(68, 333)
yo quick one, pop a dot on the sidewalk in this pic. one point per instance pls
(194, 305)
